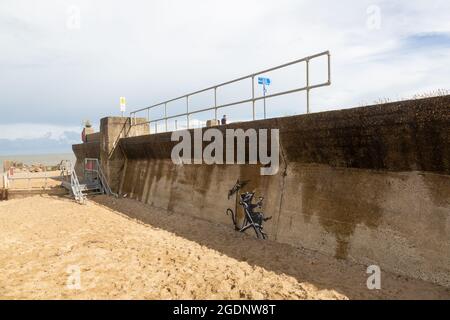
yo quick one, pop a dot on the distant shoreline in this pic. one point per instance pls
(43, 158)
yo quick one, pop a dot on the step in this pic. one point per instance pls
(91, 186)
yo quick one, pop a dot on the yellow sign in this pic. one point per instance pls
(123, 104)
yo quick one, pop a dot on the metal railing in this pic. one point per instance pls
(76, 187)
(9, 181)
(308, 87)
(93, 170)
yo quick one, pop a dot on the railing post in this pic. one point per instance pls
(215, 103)
(264, 93)
(165, 114)
(253, 97)
(307, 85)
(329, 68)
(187, 112)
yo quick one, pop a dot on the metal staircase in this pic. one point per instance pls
(93, 173)
(76, 188)
(94, 180)
(73, 185)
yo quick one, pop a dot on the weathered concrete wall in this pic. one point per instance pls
(111, 155)
(369, 184)
(397, 220)
(85, 150)
(103, 146)
(93, 137)
(403, 136)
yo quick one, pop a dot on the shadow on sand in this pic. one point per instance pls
(305, 266)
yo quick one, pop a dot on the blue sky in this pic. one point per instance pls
(65, 61)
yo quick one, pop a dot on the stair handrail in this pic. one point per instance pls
(76, 188)
(104, 181)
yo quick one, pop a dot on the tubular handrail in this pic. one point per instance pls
(76, 188)
(103, 180)
(253, 99)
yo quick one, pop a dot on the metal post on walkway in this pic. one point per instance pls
(187, 112)
(307, 85)
(215, 103)
(253, 97)
(165, 114)
(264, 94)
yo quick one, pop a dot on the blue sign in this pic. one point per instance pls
(264, 81)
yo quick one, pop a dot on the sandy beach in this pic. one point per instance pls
(44, 239)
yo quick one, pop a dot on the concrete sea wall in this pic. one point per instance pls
(367, 184)
(83, 151)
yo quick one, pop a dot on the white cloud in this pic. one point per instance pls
(150, 51)
(34, 131)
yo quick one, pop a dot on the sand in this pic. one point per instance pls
(44, 239)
